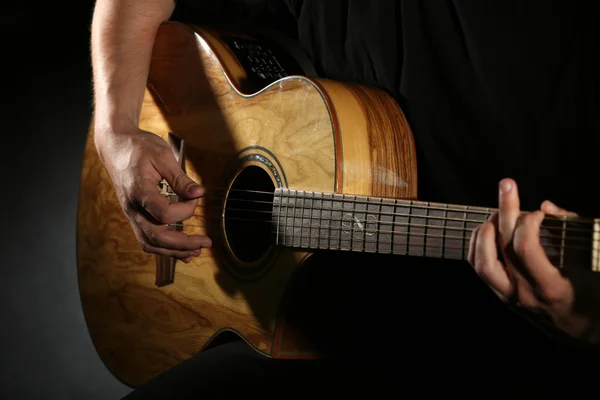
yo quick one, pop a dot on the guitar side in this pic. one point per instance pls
(299, 133)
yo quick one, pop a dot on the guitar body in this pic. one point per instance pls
(297, 133)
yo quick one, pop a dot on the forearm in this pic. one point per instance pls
(122, 39)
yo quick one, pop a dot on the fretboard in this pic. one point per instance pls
(314, 220)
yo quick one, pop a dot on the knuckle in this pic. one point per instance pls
(164, 215)
(526, 299)
(487, 229)
(529, 217)
(485, 271)
(551, 294)
(144, 202)
(180, 179)
(523, 246)
(151, 237)
(159, 212)
(146, 248)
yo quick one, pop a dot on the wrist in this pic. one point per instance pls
(107, 131)
(106, 123)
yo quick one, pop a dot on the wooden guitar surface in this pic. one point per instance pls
(298, 133)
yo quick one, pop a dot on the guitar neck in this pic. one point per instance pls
(314, 220)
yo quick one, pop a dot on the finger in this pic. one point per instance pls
(472, 245)
(148, 197)
(180, 255)
(163, 237)
(183, 185)
(508, 212)
(550, 208)
(147, 247)
(487, 265)
(473, 239)
(544, 277)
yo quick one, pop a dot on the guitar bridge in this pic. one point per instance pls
(165, 190)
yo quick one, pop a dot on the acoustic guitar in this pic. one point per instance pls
(293, 166)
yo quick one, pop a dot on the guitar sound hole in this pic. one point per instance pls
(247, 216)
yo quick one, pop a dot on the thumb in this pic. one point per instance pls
(181, 184)
(189, 189)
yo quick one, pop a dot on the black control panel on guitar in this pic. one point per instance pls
(263, 62)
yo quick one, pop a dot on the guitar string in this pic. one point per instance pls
(390, 202)
(549, 217)
(378, 231)
(564, 221)
(296, 238)
(380, 222)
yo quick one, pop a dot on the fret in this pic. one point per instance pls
(416, 230)
(474, 216)
(306, 220)
(312, 239)
(561, 263)
(295, 218)
(455, 224)
(326, 219)
(284, 204)
(285, 200)
(292, 211)
(315, 230)
(346, 209)
(321, 222)
(408, 221)
(464, 236)
(435, 231)
(357, 221)
(553, 239)
(595, 258)
(425, 225)
(336, 220)
(444, 231)
(348, 220)
(277, 201)
(308, 213)
(362, 223)
(578, 243)
(386, 226)
(400, 227)
(302, 238)
(370, 224)
(377, 225)
(292, 216)
(296, 224)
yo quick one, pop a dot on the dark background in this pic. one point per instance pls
(45, 108)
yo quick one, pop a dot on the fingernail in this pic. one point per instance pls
(505, 186)
(197, 253)
(552, 207)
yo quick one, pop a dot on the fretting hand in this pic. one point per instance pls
(506, 253)
(136, 161)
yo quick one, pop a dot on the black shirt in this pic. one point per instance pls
(491, 88)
